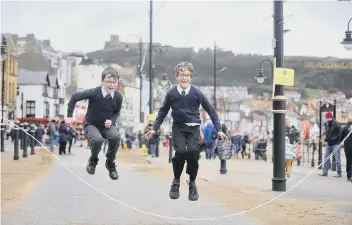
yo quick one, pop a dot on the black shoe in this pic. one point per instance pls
(92, 163)
(111, 167)
(349, 179)
(175, 189)
(193, 192)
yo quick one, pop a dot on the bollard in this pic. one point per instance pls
(170, 149)
(157, 147)
(32, 140)
(307, 145)
(314, 146)
(223, 169)
(25, 139)
(333, 164)
(249, 150)
(21, 136)
(16, 142)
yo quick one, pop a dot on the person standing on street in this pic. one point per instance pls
(348, 147)
(332, 138)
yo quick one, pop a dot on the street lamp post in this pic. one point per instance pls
(223, 169)
(347, 42)
(279, 105)
(141, 117)
(3, 58)
(150, 56)
(216, 69)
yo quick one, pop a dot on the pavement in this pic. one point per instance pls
(258, 174)
(62, 198)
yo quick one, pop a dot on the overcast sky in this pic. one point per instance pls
(317, 27)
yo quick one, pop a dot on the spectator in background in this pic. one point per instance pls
(348, 147)
(332, 138)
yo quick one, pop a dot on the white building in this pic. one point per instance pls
(86, 74)
(38, 94)
(129, 115)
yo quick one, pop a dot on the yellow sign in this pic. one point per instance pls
(284, 76)
(151, 118)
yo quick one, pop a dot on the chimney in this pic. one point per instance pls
(46, 42)
(30, 36)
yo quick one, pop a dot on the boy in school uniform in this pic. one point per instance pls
(184, 100)
(100, 121)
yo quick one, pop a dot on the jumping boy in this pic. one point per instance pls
(100, 120)
(184, 100)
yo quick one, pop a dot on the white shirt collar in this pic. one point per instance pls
(105, 92)
(179, 89)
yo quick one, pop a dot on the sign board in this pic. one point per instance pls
(284, 76)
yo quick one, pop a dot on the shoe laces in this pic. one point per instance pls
(175, 183)
(111, 166)
(93, 162)
(192, 187)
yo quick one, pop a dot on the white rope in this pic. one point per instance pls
(186, 218)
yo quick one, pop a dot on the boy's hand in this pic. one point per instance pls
(107, 123)
(149, 134)
(201, 136)
(222, 136)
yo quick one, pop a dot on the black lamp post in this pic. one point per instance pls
(158, 49)
(347, 42)
(216, 69)
(3, 58)
(279, 102)
(127, 48)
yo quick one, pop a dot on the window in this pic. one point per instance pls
(45, 90)
(46, 109)
(56, 93)
(9, 93)
(57, 110)
(30, 109)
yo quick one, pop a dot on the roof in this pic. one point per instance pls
(33, 62)
(45, 47)
(32, 78)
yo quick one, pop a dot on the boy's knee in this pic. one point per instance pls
(96, 140)
(115, 138)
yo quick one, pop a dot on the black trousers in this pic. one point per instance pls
(62, 147)
(96, 138)
(186, 143)
(69, 144)
(348, 153)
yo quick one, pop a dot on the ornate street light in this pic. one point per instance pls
(347, 42)
(260, 74)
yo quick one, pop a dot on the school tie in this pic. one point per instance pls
(108, 96)
(183, 93)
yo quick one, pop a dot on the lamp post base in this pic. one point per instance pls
(278, 184)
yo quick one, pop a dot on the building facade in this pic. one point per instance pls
(11, 75)
(38, 96)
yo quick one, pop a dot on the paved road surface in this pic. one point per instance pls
(259, 173)
(63, 199)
